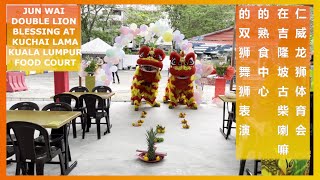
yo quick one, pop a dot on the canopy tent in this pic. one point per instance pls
(96, 46)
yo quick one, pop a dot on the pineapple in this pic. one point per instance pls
(271, 167)
(151, 136)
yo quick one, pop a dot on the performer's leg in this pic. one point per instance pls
(191, 102)
(113, 77)
(137, 102)
(182, 100)
(118, 77)
(136, 95)
(174, 96)
(152, 101)
(166, 96)
(151, 95)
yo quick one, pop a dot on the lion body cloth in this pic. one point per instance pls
(147, 76)
(179, 88)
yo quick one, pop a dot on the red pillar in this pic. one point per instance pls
(61, 82)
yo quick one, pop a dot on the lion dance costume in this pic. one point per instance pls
(147, 76)
(180, 84)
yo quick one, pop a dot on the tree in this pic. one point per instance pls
(95, 20)
(99, 21)
(140, 17)
(195, 20)
(89, 14)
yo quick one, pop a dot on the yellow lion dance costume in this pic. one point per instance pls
(180, 84)
(147, 76)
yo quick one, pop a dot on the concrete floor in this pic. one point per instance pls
(200, 150)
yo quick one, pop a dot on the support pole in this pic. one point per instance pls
(61, 82)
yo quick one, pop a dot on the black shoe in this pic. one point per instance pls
(118, 82)
(113, 82)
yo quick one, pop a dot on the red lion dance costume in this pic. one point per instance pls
(180, 83)
(147, 76)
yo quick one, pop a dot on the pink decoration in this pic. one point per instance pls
(124, 30)
(184, 46)
(106, 59)
(117, 39)
(136, 32)
(206, 70)
(197, 97)
(115, 60)
(143, 27)
(104, 67)
(107, 82)
(130, 36)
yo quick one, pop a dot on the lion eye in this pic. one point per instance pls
(191, 62)
(141, 55)
(173, 62)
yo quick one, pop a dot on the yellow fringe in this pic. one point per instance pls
(180, 68)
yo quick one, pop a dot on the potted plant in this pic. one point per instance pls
(221, 69)
(224, 72)
(90, 65)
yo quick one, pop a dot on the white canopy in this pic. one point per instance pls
(96, 46)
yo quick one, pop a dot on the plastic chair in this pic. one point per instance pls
(104, 89)
(94, 110)
(249, 172)
(25, 106)
(101, 89)
(68, 99)
(79, 89)
(56, 136)
(28, 152)
(19, 106)
(10, 152)
(243, 164)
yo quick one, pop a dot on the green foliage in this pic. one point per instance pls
(221, 68)
(195, 20)
(191, 20)
(92, 66)
(96, 22)
(300, 167)
(142, 17)
(151, 136)
(127, 51)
